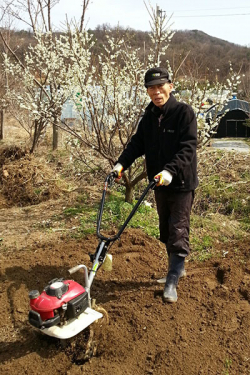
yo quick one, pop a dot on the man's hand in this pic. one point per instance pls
(118, 168)
(164, 178)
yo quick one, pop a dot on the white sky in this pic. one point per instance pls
(224, 19)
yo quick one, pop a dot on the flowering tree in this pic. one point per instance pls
(41, 81)
(108, 92)
(37, 15)
(196, 92)
(5, 23)
(113, 98)
(111, 103)
(42, 84)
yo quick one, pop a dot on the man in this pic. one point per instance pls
(167, 136)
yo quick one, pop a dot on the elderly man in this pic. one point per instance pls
(167, 136)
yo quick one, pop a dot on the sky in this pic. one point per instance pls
(224, 19)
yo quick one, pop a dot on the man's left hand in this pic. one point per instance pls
(164, 178)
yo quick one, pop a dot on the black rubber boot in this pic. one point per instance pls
(182, 274)
(175, 270)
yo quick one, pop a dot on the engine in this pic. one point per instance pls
(60, 301)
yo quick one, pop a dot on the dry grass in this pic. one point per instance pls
(224, 182)
(26, 179)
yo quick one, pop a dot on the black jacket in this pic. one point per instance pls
(168, 139)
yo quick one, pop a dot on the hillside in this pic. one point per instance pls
(209, 52)
(191, 53)
(204, 55)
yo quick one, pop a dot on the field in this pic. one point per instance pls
(206, 332)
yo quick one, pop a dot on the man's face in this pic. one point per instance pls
(159, 94)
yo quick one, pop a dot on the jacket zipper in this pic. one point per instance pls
(159, 119)
(159, 151)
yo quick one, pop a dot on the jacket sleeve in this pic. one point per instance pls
(187, 143)
(134, 149)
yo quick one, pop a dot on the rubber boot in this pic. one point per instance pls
(183, 273)
(176, 266)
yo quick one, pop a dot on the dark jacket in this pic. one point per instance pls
(168, 139)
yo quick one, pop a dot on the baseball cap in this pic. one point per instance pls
(156, 76)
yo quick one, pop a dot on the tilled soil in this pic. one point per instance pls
(206, 332)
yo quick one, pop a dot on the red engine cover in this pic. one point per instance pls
(45, 304)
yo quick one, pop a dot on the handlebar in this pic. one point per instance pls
(108, 182)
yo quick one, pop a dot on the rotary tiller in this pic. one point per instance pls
(63, 309)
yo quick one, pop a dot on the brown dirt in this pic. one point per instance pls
(206, 332)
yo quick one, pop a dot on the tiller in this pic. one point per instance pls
(64, 308)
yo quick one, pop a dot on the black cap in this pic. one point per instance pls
(156, 76)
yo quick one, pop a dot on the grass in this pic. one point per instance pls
(73, 211)
(226, 198)
(227, 365)
(202, 246)
(114, 215)
(221, 212)
(206, 231)
(247, 140)
(224, 185)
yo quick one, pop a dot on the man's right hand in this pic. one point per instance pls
(118, 168)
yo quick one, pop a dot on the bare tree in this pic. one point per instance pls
(161, 33)
(34, 13)
(85, 5)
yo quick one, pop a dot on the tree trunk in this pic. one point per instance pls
(129, 194)
(35, 136)
(55, 136)
(1, 123)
